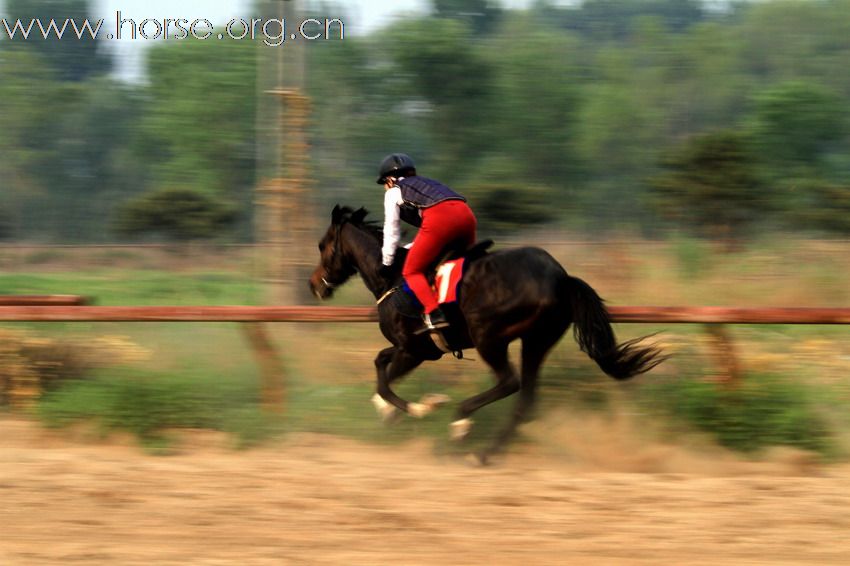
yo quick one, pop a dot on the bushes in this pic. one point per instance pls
(764, 411)
(148, 404)
(177, 215)
(30, 363)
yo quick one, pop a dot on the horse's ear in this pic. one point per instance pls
(359, 216)
(336, 215)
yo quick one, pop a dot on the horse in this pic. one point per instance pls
(515, 294)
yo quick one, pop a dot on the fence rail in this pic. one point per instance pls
(43, 300)
(627, 314)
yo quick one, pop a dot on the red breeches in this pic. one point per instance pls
(447, 224)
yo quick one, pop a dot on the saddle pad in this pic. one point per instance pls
(446, 283)
(447, 280)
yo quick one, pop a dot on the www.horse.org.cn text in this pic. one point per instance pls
(273, 32)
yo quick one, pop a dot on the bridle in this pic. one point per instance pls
(334, 251)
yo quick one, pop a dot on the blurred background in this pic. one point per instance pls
(669, 152)
(712, 119)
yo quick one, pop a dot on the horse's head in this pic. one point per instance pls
(335, 266)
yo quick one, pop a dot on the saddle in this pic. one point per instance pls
(475, 251)
(445, 276)
(402, 299)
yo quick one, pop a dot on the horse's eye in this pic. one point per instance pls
(321, 247)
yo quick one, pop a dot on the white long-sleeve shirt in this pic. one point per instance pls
(392, 223)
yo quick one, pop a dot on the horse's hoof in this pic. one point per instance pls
(418, 410)
(477, 460)
(435, 400)
(385, 410)
(459, 429)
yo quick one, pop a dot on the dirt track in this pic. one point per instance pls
(320, 500)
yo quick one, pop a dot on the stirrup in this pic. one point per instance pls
(441, 321)
(432, 328)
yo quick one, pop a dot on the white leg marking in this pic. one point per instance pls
(459, 429)
(384, 409)
(435, 400)
(418, 410)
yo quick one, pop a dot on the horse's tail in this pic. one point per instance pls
(594, 334)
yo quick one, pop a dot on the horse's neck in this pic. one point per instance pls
(365, 254)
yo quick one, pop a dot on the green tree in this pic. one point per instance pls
(199, 125)
(95, 166)
(176, 215)
(536, 102)
(711, 184)
(617, 136)
(30, 98)
(613, 19)
(72, 58)
(704, 80)
(362, 111)
(65, 131)
(818, 205)
(65, 153)
(505, 199)
(5, 223)
(791, 40)
(796, 123)
(451, 81)
(480, 15)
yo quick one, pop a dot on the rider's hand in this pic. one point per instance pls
(387, 272)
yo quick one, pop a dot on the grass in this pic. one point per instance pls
(191, 392)
(122, 287)
(763, 411)
(693, 258)
(151, 405)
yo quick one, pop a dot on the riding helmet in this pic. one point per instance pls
(393, 164)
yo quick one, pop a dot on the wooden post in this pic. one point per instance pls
(293, 205)
(730, 369)
(272, 386)
(283, 205)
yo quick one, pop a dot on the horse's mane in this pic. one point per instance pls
(358, 218)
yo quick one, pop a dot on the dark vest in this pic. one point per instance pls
(423, 192)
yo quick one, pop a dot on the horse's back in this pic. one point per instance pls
(518, 264)
(511, 278)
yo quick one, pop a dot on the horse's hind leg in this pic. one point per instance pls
(391, 364)
(507, 383)
(534, 351)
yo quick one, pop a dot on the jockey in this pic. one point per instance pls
(444, 221)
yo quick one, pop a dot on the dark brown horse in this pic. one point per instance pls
(507, 295)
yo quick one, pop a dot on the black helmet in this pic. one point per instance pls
(393, 164)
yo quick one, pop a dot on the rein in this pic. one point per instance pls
(334, 248)
(386, 295)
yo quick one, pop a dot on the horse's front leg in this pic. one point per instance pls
(382, 364)
(495, 353)
(393, 363)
